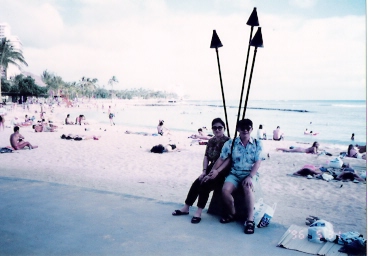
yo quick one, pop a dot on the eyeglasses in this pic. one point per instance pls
(217, 128)
(245, 128)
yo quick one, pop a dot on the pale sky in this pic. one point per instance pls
(313, 49)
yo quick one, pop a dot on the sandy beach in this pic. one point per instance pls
(121, 163)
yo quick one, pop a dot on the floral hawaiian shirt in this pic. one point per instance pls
(243, 158)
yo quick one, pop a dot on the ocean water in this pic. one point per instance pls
(334, 121)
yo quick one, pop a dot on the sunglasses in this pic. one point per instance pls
(248, 128)
(217, 128)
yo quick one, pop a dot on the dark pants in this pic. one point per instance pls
(202, 190)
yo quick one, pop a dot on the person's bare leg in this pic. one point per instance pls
(249, 202)
(198, 213)
(23, 144)
(227, 190)
(185, 208)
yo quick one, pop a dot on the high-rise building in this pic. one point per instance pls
(5, 32)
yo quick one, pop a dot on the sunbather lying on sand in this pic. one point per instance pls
(308, 169)
(349, 174)
(80, 137)
(200, 135)
(161, 148)
(312, 150)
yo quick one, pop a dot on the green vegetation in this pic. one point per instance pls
(56, 86)
(9, 55)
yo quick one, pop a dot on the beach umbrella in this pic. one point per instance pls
(256, 42)
(252, 22)
(216, 43)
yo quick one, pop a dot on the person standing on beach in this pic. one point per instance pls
(16, 140)
(277, 134)
(111, 116)
(200, 189)
(245, 162)
(161, 128)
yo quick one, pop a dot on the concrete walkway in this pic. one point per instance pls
(40, 218)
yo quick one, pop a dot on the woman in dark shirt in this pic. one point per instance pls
(202, 189)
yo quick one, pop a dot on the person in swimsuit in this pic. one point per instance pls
(111, 116)
(17, 140)
(312, 150)
(67, 121)
(352, 152)
(278, 134)
(161, 128)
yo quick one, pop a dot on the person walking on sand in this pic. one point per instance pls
(277, 134)
(312, 150)
(245, 162)
(16, 140)
(200, 189)
(111, 116)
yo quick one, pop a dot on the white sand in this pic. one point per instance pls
(122, 163)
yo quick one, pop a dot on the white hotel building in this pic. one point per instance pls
(5, 31)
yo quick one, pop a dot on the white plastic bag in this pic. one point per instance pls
(263, 213)
(321, 231)
(335, 163)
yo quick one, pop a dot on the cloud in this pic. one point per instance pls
(37, 25)
(148, 44)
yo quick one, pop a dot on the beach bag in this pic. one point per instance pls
(321, 231)
(263, 213)
(335, 163)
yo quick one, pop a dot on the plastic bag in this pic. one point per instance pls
(263, 213)
(335, 163)
(321, 231)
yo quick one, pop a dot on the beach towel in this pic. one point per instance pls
(6, 150)
(295, 238)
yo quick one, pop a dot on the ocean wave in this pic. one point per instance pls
(277, 109)
(349, 105)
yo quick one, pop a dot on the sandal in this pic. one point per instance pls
(249, 227)
(229, 218)
(178, 213)
(196, 220)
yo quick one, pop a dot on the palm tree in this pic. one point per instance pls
(111, 82)
(9, 55)
(88, 86)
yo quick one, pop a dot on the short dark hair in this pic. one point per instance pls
(218, 120)
(16, 128)
(244, 123)
(200, 129)
(260, 126)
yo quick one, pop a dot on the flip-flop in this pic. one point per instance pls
(178, 213)
(196, 220)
